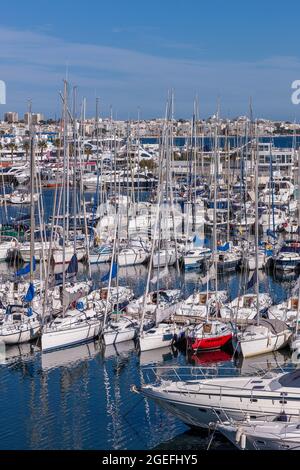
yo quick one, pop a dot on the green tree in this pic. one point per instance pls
(42, 144)
(12, 147)
(26, 147)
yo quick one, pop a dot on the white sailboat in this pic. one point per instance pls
(119, 330)
(159, 336)
(79, 323)
(266, 335)
(74, 327)
(21, 322)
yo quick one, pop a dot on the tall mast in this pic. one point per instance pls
(32, 176)
(74, 166)
(216, 168)
(256, 223)
(64, 189)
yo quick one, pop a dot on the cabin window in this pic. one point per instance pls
(17, 317)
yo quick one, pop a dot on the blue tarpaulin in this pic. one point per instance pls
(114, 272)
(30, 293)
(224, 247)
(71, 270)
(26, 269)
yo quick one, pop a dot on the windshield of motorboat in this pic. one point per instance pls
(291, 379)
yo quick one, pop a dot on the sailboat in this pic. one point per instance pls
(210, 335)
(161, 334)
(266, 335)
(76, 323)
(21, 321)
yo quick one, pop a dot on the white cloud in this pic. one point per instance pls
(33, 64)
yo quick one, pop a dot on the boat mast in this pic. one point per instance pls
(32, 176)
(64, 189)
(216, 158)
(255, 156)
(74, 165)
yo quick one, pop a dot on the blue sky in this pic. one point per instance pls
(129, 53)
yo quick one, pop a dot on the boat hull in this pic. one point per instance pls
(210, 343)
(55, 339)
(21, 336)
(255, 347)
(113, 337)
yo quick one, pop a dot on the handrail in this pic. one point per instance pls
(204, 374)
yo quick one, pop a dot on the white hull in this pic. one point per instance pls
(99, 258)
(147, 344)
(233, 398)
(269, 343)
(161, 338)
(53, 339)
(163, 259)
(262, 435)
(20, 336)
(131, 259)
(113, 337)
(59, 258)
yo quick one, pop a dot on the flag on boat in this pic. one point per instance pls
(71, 270)
(30, 293)
(252, 281)
(114, 272)
(224, 247)
(163, 273)
(26, 269)
(271, 234)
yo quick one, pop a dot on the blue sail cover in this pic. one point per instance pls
(71, 270)
(224, 247)
(271, 234)
(26, 269)
(30, 293)
(114, 272)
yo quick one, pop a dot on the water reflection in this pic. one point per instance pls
(69, 357)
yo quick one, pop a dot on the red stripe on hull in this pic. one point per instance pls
(215, 342)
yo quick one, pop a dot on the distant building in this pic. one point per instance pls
(36, 118)
(11, 117)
